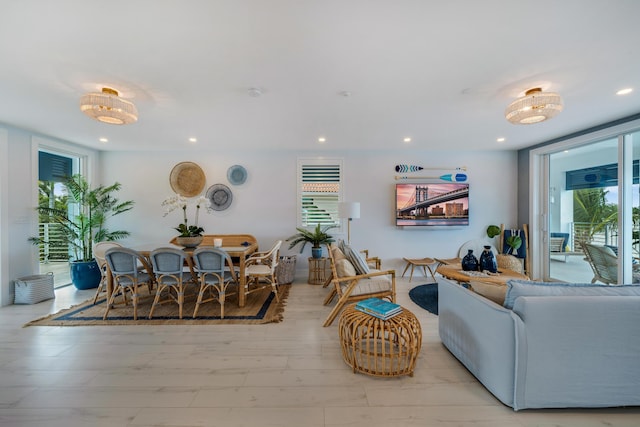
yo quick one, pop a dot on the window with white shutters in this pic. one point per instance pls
(319, 191)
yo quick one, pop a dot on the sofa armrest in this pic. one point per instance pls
(481, 334)
(578, 351)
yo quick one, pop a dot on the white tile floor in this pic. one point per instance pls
(285, 374)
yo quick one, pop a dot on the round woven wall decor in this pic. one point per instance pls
(187, 179)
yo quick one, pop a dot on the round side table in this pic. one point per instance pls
(318, 270)
(383, 348)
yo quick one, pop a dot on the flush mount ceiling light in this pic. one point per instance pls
(108, 107)
(534, 107)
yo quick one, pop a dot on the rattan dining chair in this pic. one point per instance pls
(127, 276)
(260, 270)
(168, 267)
(215, 272)
(99, 250)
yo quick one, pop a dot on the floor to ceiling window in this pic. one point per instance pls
(53, 170)
(587, 208)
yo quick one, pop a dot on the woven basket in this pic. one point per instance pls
(509, 262)
(286, 269)
(34, 289)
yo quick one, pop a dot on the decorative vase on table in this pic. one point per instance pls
(488, 261)
(189, 242)
(470, 262)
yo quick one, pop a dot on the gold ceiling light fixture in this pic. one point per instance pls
(108, 107)
(534, 107)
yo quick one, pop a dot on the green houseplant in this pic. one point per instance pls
(317, 237)
(83, 222)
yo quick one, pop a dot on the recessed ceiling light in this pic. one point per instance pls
(624, 91)
(254, 92)
(407, 139)
(193, 139)
(500, 139)
(103, 140)
(322, 139)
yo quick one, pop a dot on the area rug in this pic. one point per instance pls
(426, 296)
(261, 307)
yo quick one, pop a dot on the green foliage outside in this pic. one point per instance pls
(81, 215)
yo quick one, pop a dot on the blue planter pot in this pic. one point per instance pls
(316, 252)
(85, 275)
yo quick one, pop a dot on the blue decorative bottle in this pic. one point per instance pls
(470, 262)
(488, 261)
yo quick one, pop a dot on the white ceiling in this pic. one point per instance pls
(440, 72)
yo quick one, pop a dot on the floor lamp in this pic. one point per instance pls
(349, 210)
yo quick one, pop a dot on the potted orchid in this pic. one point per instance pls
(190, 235)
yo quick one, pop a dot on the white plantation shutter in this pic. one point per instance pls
(319, 191)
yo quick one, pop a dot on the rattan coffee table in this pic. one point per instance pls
(383, 348)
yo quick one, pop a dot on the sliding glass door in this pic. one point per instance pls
(589, 205)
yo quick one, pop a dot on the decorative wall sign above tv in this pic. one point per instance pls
(413, 168)
(451, 177)
(187, 179)
(432, 204)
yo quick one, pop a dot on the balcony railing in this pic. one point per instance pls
(54, 250)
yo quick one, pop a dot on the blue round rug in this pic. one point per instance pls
(426, 296)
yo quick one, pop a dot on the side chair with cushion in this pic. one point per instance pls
(260, 270)
(99, 250)
(168, 267)
(215, 272)
(350, 286)
(127, 276)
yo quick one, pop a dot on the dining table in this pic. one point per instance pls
(238, 254)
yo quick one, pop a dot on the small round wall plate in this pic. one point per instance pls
(237, 175)
(187, 179)
(219, 196)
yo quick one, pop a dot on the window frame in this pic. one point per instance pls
(315, 162)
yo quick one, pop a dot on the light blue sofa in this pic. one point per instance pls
(548, 351)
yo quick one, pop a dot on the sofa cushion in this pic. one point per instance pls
(519, 288)
(492, 291)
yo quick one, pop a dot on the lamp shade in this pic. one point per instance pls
(108, 107)
(349, 210)
(534, 107)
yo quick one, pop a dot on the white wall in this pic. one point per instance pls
(265, 205)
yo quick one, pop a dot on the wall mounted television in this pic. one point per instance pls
(430, 204)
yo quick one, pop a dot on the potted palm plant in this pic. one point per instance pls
(83, 223)
(317, 237)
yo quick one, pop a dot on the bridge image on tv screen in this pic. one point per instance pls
(432, 204)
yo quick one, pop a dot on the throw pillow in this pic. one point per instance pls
(491, 291)
(337, 254)
(356, 259)
(344, 268)
(518, 288)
